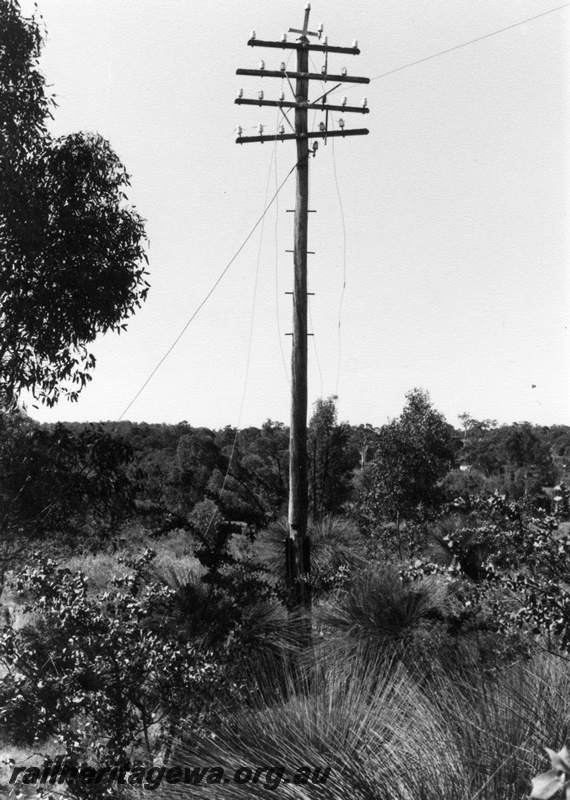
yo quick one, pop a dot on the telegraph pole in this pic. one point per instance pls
(297, 544)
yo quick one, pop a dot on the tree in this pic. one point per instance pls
(252, 482)
(196, 458)
(59, 484)
(71, 251)
(99, 671)
(413, 453)
(518, 456)
(332, 459)
(516, 561)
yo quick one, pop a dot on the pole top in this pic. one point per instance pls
(305, 32)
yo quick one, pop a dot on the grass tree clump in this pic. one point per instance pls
(374, 731)
(337, 551)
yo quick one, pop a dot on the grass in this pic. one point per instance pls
(375, 700)
(21, 757)
(385, 736)
(335, 543)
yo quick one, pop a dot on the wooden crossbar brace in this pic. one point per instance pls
(311, 76)
(242, 101)
(281, 137)
(322, 48)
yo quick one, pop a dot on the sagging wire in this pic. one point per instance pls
(459, 46)
(279, 335)
(314, 338)
(251, 326)
(343, 254)
(288, 379)
(343, 262)
(210, 293)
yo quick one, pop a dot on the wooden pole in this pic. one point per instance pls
(298, 560)
(297, 553)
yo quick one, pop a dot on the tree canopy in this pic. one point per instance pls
(332, 459)
(413, 453)
(71, 250)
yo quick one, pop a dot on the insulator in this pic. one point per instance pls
(283, 65)
(355, 44)
(262, 65)
(322, 126)
(260, 129)
(282, 129)
(284, 37)
(326, 41)
(315, 147)
(282, 97)
(344, 71)
(365, 102)
(240, 93)
(344, 101)
(252, 35)
(260, 95)
(308, 7)
(240, 130)
(341, 123)
(320, 30)
(323, 70)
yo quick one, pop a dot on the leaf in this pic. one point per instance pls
(560, 760)
(547, 785)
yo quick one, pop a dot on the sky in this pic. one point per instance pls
(446, 225)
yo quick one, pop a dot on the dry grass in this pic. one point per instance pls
(21, 757)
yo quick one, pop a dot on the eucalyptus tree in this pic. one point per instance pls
(71, 250)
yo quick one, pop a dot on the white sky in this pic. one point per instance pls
(454, 208)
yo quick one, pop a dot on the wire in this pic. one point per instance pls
(204, 301)
(279, 336)
(343, 264)
(250, 340)
(459, 46)
(313, 337)
(471, 41)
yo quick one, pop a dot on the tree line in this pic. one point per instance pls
(80, 482)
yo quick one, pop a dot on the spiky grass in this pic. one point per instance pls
(384, 734)
(335, 542)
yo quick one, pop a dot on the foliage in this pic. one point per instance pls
(98, 672)
(332, 459)
(379, 611)
(70, 249)
(197, 456)
(550, 783)
(516, 563)
(337, 552)
(58, 484)
(253, 482)
(413, 453)
(384, 735)
(519, 454)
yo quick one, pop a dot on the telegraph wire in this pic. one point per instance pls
(210, 293)
(323, 86)
(376, 77)
(459, 46)
(343, 266)
(280, 337)
(252, 320)
(471, 41)
(314, 338)
(343, 256)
